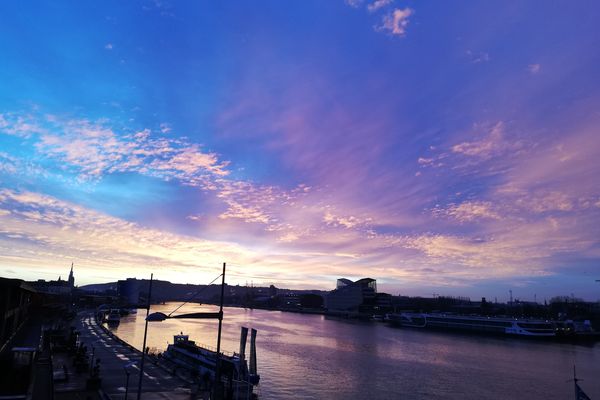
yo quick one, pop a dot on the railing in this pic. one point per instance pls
(214, 350)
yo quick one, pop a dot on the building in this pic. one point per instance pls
(352, 296)
(57, 287)
(15, 300)
(128, 291)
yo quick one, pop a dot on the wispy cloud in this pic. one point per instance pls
(354, 3)
(477, 57)
(378, 4)
(468, 211)
(45, 231)
(486, 147)
(534, 68)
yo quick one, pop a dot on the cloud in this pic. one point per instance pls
(165, 128)
(395, 22)
(478, 57)
(378, 4)
(513, 249)
(486, 147)
(468, 211)
(354, 3)
(67, 230)
(45, 231)
(534, 68)
(95, 149)
(108, 46)
(19, 125)
(189, 161)
(345, 217)
(486, 150)
(545, 202)
(348, 222)
(165, 8)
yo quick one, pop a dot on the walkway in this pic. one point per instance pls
(114, 356)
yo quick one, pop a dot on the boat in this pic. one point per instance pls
(239, 376)
(113, 317)
(481, 324)
(576, 331)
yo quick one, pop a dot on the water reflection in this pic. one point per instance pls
(310, 356)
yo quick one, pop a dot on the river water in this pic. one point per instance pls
(304, 356)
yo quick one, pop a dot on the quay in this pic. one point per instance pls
(117, 369)
(117, 358)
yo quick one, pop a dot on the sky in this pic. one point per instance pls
(438, 147)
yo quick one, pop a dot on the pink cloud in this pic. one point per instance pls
(469, 211)
(395, 22)
(96, 149)
(492, 144)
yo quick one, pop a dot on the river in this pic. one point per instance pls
(304, 356)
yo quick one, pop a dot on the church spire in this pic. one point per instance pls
(71, 277)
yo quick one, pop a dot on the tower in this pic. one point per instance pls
(71, 280)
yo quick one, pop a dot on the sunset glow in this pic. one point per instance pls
(434, 146)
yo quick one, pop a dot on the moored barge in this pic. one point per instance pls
(479, 324)
(238, 376)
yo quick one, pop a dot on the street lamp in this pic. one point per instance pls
(130, 364)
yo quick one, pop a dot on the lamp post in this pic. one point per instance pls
(92, 363)
(127, 373)
(139, 393)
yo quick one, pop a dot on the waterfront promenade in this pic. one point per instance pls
(115, 355)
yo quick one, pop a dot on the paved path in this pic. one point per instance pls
(114, 356)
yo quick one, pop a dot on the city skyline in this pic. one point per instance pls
(438, 148)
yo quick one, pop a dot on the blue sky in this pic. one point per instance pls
(435, 146)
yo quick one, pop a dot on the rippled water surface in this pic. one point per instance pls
(312, 357)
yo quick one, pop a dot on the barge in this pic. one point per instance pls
(479, 324)
(238, 376)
